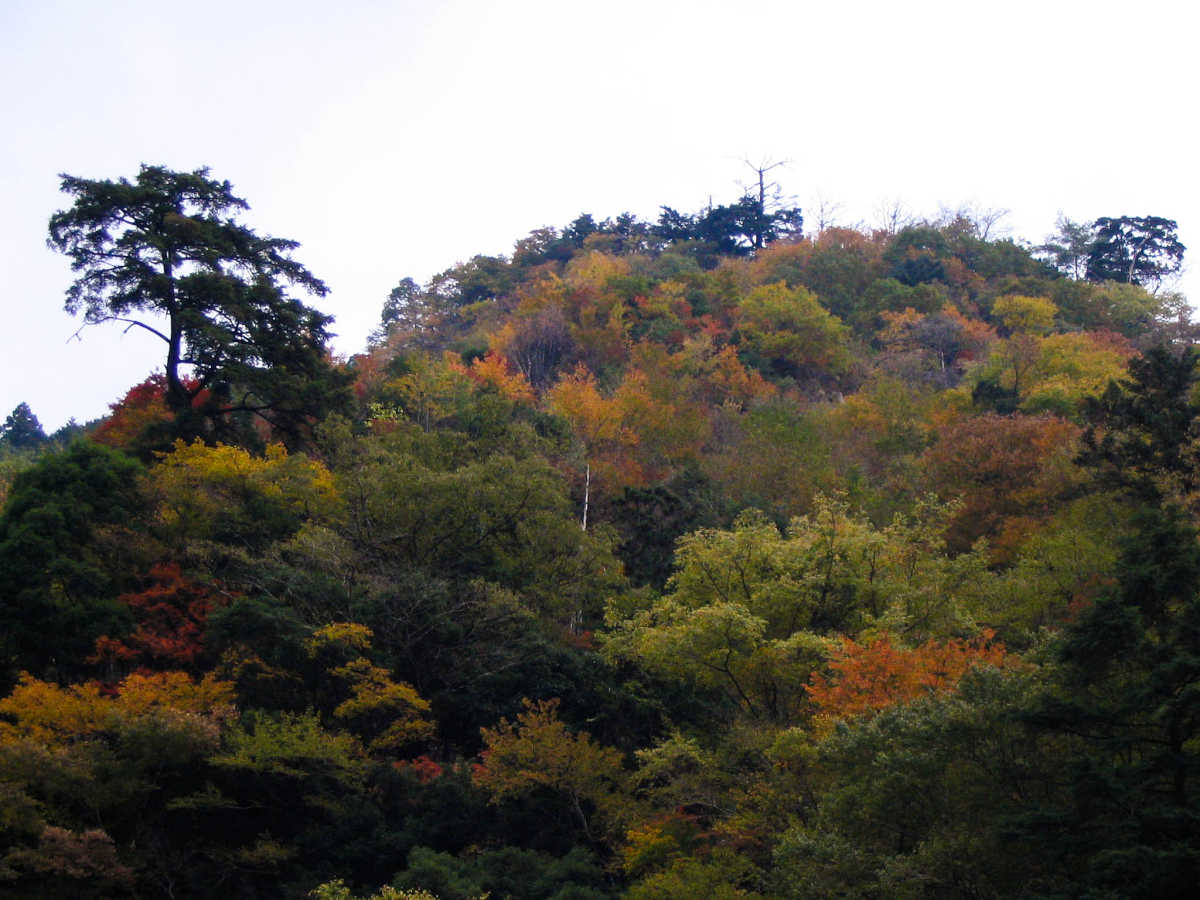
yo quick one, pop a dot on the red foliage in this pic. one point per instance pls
(144, 405)
(369, 374)
(424, 768)
(171, 615)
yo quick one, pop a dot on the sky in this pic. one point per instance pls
(394, 139)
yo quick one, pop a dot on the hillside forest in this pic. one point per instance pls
(714, 556)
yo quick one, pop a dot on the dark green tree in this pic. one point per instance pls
(1147, 425)
(63, 553)
(1135, 249)
(1123, 702)
(165, 253)
(917, 255)
(22, 430)
(1124, 710)
(734, 230)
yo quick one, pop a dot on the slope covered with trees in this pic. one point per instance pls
(701, 557)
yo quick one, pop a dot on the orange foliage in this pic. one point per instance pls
(866, 678)
(1000, 467)
(495, 372)
(637, 434)
(599, 422)
(370, 373)
(720, 378)
(538, 751)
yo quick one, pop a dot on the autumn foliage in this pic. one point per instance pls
(865, 678)
(144, 407)
(171, 615)
(743, 508)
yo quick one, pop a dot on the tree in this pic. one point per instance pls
(1129, 666)
(168, 245)
(227, 495)
(746, 609)
(1124, 703)
(1068, 248)
(404, 308)
(537, 751)
(1147, 446)
(64, 540)
(1008, 471)
(22, 429)
(914, 802)
(787, 331)
(1135, 249)
(738, 229)
(1027, 315)
(869, 677)
(171, 613)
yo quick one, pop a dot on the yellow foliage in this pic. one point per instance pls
(387, 714)
(594, 270)
(789, 325)
(202, 491)
(348, 635)
(1030, 315)
(375, 696)
(596, 419)
(43, 712)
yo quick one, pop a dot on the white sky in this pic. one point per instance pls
(397, 138)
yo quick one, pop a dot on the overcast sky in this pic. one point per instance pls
(394, 139)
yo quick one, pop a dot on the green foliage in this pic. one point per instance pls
(1146, 445)
(1135, 250)
(1126, 702)
(787, 332)
(1067, 249)
(747, 608)
(64, 555)
(725, 875)
(504, 520)
(293, 746)
(775, 456)
(337, 890)
(1064, 565)
(507, 872)
(915, 799)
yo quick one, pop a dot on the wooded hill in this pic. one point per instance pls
(694, 558)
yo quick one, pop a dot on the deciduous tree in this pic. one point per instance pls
(537, 751)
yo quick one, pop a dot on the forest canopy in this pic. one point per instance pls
(707, 556)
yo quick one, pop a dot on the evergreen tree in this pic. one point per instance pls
(1124, 700)
(22, 430)
(168, 244)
